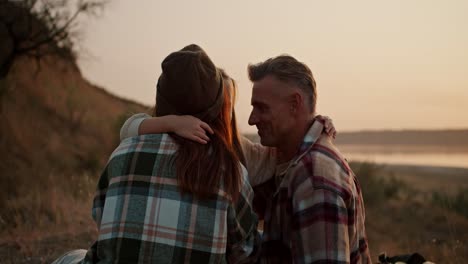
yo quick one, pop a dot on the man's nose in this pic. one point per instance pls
(253, 119)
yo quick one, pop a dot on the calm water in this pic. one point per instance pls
(415, 155)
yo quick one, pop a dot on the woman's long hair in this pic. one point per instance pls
(203, 169)
(235, 132)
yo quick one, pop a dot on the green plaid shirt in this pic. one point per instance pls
(143, 218)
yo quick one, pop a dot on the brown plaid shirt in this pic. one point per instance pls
(316, 212)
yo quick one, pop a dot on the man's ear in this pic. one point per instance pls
(295, 102)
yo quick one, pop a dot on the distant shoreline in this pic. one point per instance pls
(455, 138)
(443, 138)
(402, 148)
(431, 155)
(399, 157)
(421, 168)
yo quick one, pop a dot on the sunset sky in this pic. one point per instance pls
(378, 64)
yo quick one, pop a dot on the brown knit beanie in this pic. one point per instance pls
(190, 84)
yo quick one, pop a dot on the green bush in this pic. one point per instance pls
(377, 188)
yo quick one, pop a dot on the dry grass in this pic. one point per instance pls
(50, 217)
(56, 133)
(402, 217)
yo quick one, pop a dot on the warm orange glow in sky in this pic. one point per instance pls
(378, 64)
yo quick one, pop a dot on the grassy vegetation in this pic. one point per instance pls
(56, 133)
(378, 190)
(404, 217)
(457, 203)
(44, 201)
(45, 215)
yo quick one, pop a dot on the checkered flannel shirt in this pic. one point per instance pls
(143, 218)
(316, 212)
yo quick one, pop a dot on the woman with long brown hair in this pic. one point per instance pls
(259, 161)
(166, 199)
(221, 157)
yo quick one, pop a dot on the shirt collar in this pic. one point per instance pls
(308, 142)
(310, 138)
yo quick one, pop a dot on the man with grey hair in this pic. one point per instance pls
(313, 207)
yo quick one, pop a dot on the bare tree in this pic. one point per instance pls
(37, 28)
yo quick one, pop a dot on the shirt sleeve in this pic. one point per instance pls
(100, 197)
(131, 125)
(98, 207)
(320, 226)
(261, 161)
(243, 237)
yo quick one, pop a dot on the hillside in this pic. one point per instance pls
(57, 130)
